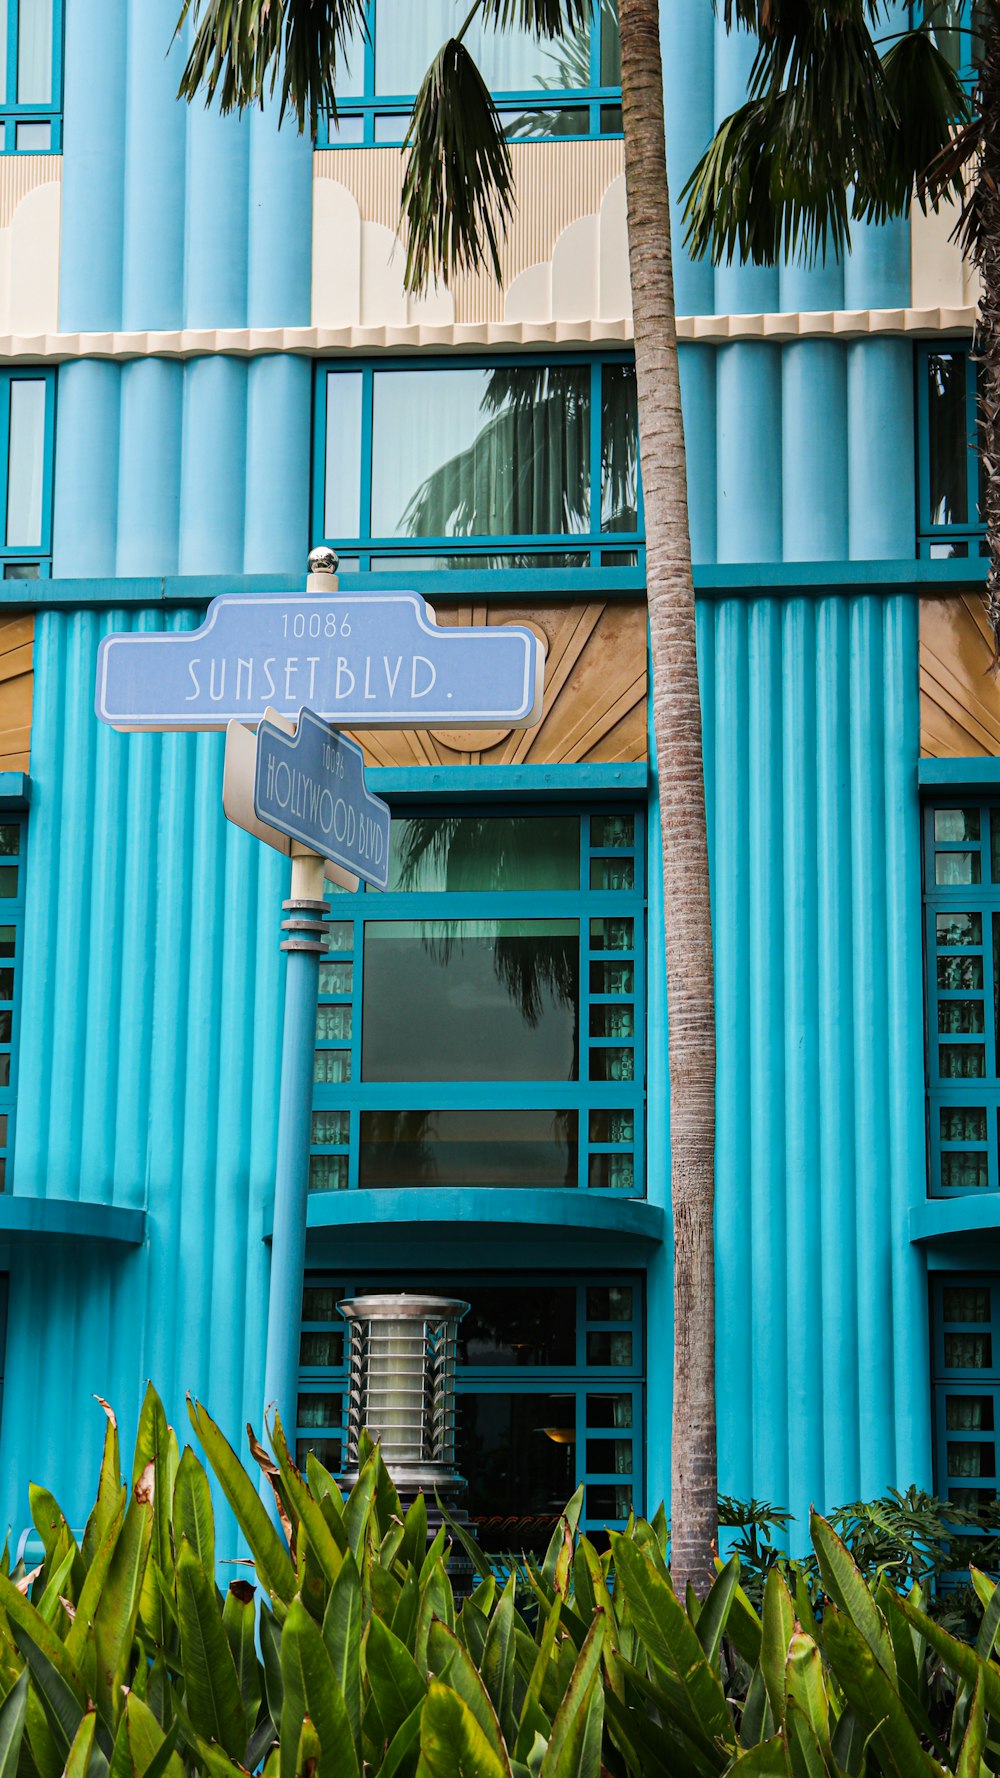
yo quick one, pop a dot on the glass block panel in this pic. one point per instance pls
(956, 824)
(959, 929)
(325, 1450)
(957, 868)
(8, 882)
(612, 935)
(965, 1061)
(485, 852)
(609, 1302)
(609, 1456)
(968, 1352)
(971, 1457)
(522, 1147)
(962, 1171)
(5, 1025)
(963, 1123)
(8, 940)
(609, 1348)
(955, 973)
(961, 1016)
(968, 1413)
(6, 984)
(604, 1501)
(333, 1067)
(612, 873)
(320, 1408)
(965, 1303)
(612, 1172)
(609, 1410)
(5, 1068)
(619, 978)
(331, 1129)
(614, 1020)
(612, 830)
(10, 838)
(611, 120)
(321, 1349)
(319, 1303)
(340, 934)
(328, 1172)
(612, 1064)
(972, 1499)
(612, 1126)
(338, 978)
(333, 1024)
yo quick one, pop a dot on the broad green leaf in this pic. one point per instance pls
(322, 1485)
(990, 1625)
(49, 1520)
(273, 1565)
(743, 1626)
(13, 1714)
(358, 1509)
(670, 1639)
(22, 1615)
(403, 1750)
(874, 1699)
(217, 1764)
(49, 1606)
(140, 1744)
(85, 1759)
(757, 1722)
(574, 1749)
(764, 1761)
(311, 1690)
(153, 1468)
(395, 1679)
(111, 1494)
(777, 1627)
(957, 1656)
(308, 1758)
(63, 1710)
(328, 1553)
(93, 1586)
(447, 1657)
(118, 1608)
(38, 1743)
(714, 1614)
(805, 1686)
(415, 1532)
(239, 1623)
(342, 1635)
(848, 1588)
(452, 1743)
(211, 1687)
(805, 1755)
(648, 1749)
(974, 1740)
(498, 1662)
(559, 1555)
(436, 1601)
(388, 1509)
(193, 1515)
(474, 1551)
(270, 1649)
(532, 1716)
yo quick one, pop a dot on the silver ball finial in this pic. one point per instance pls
(323, 560)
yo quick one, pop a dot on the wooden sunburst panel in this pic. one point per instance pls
(959, 692)
(17, 636)
(595, 694)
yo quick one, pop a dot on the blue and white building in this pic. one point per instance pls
(208, 365)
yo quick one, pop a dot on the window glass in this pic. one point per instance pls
(947, 438)
(343, 454)
(34, 52)
(468, 852)
(408, 37)
(522, 1147)
(26, 462)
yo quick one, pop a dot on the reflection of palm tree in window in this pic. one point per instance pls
(527, 472)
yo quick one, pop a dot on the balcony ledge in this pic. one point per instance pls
(591, 1215)
(74, 1219)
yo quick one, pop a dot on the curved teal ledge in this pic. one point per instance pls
(943, 1219)
(69, 1218)
(586, 1215)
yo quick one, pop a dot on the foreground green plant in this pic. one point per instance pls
(121, 1658)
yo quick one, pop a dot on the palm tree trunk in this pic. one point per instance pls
(677, 730)
(986, 254)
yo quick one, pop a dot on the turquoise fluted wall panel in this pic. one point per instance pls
(172, 215)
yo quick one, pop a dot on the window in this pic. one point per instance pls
(549, 1388)
(30, 76)
(13, 830)
(955, 29)
(950, 483)
(966, 1362)
(541, 89)
(27, 422)
(516, 464)
(481, 1022)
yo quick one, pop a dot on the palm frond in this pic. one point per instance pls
(243, 48)
(543, 18)
(928, 104)
(458, 192)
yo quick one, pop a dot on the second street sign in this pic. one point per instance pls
(311, 786)
(372, 660)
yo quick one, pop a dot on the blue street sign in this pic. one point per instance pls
(367, 660)
(311, 786)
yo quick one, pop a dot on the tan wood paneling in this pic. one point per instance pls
(595, 694)
(959, 691)
(17, 636)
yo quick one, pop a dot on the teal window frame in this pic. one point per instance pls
(980, 899)
(350, 1097)
(28, 561)
(936, 540)
(593, 99)
(954, 1382)
(596, 547)
(12, 112)
(11, 915)
(578, 1380)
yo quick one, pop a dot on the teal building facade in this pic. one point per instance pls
(209, 366)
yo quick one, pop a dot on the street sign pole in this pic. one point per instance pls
(304, 942)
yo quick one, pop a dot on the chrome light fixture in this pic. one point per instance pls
(401, 1388)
